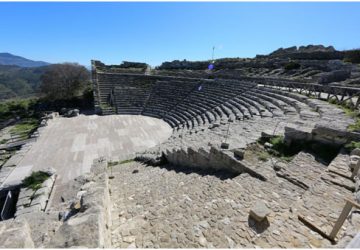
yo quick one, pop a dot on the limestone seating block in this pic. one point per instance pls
(39, 200)
(23, 201)
(83, 229)
(15, 234)
(259, 211)
(44, 191)
(48, 183)
(31, 209)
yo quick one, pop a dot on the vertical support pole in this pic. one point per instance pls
(340, 221)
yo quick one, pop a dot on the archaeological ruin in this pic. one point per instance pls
(260, 152)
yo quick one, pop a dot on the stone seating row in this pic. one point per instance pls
(198, 103)
(258, 101)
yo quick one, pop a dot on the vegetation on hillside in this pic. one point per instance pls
(292, 65)
(352, 56)
(18, 82)
(22, 108)
(64, 81)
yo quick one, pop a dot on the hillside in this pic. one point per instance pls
(17, 81)
(9, 59)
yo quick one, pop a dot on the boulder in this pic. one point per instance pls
(354, 161)
(72, 113)
(268, 145)
(50, 171)
(259, 211)
(63, 111)
(239, 154)
(355, 151)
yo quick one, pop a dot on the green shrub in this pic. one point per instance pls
(17, 107)
(126, 161)
(35, 180)
(355, 126)
(292, 65)
(263, 156)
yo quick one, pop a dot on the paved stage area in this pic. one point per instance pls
(71, 144)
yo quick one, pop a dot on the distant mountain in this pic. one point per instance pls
(9, 59)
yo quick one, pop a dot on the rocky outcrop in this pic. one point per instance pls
(87, 221)
(310, 52)
(15, 234)
(334, 76)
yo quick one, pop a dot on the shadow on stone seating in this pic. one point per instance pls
(87, 112)
(221, 174)
(258, 227)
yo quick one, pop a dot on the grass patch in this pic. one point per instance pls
(287, 152)
(263, 156)
(126, 161)
(35, 180)
(352, 145)
(25, 127)
(3, 141)
(349, 109)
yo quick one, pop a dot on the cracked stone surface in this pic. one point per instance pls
(178, 207)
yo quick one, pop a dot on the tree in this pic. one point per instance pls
(64, 81)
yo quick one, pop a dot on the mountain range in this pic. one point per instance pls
(19, 76)
(10, 59)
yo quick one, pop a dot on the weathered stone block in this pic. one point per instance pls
(48, 183)
(40, 200)
(259, 211)
(16, 234)
(239, 154)
(31, 209)
(45, 191)
(25, 192)
(354, 161)
(355, 151)
(23, 201)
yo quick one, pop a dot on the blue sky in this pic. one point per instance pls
(163, 31)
